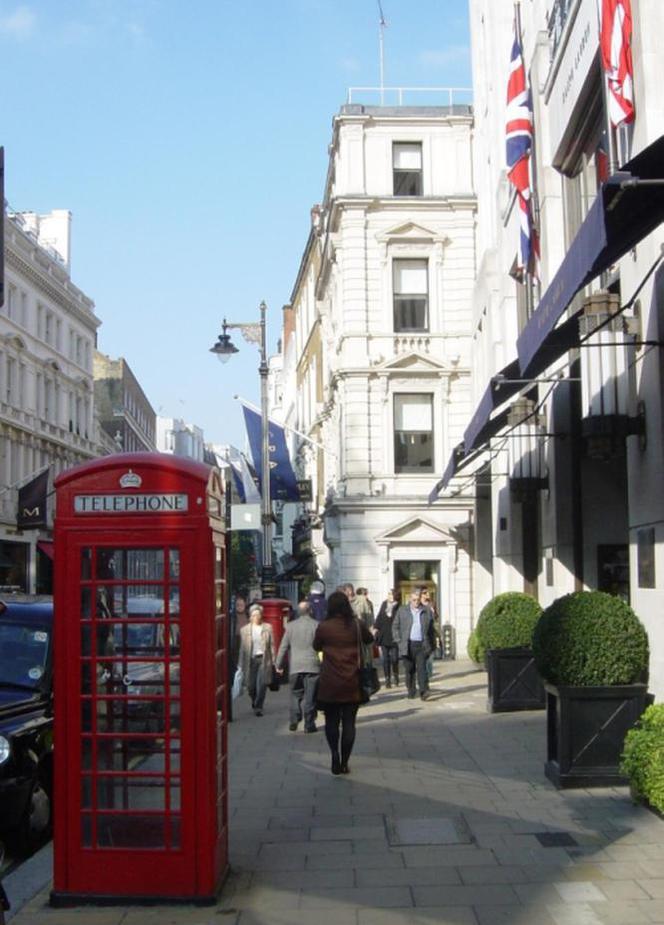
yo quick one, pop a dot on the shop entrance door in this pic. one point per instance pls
(414, 574)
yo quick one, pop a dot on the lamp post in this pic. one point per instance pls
(254, 333)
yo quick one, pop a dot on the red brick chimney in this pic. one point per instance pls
(289, 324)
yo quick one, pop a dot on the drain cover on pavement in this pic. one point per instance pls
(556, 839)
(444, 831)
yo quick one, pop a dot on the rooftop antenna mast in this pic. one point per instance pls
(381, 39)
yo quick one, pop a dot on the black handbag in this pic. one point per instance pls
(368, 676)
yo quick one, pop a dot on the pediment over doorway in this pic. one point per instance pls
(416, 530)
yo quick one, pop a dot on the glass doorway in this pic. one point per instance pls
(417, 573)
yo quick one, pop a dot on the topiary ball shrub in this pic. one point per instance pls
(508, 620)
(474, 649)
(643, 757)
(590, 639)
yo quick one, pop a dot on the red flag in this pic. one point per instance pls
(616, 50)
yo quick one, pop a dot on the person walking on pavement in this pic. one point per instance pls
(425, 598)
(412, 630)
(239, 615)
(388, 647)
(340, 637)
(303, 667)
(257, 657)
(363, 610)
(362, 607)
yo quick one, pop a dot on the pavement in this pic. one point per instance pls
(446, 818)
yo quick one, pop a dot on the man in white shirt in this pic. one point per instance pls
(256, 657)
(413, 632)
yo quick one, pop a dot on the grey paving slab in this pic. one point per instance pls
(385, 898)
(476, 895)
(307, 845)
(438, 915)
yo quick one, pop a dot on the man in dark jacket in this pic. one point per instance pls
(304, 667)
(388, 647)
(413, 632)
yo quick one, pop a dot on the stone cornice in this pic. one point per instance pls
(50, 287)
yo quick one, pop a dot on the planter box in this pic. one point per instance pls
(586, 729)
(514, 683)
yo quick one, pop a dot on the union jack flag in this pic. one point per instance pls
(615, 45)
(519, 142)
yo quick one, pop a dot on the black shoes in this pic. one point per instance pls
(336, 764)
(424, 695)
(345, 769)
(312, 729)
(292, 726)
(258, 712)
(412, 695)
(388, 683)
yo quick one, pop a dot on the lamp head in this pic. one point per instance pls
(224, 347)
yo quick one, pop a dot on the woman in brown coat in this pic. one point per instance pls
(339, 637)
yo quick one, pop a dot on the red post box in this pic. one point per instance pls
(141, 675)
(276, 612)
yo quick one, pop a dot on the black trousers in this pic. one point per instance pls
(390, 662)
(340, 714)
(303, 689)
(415, 665)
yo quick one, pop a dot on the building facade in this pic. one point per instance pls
(177, 436)
(47, 337)
(564, 442)
(381, 334)
(122, 407)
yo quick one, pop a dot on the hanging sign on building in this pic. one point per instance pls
(304, 489)
(569, 75)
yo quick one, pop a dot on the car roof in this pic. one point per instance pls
(28, 611)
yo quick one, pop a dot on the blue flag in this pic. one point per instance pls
(283, 484)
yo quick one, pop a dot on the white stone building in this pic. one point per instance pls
(173, 435)
(381, 334)
(47, 337)
(593, 517)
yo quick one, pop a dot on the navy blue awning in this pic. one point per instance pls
(621, 216)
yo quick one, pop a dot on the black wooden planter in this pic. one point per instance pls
(586, 729)
(514, 683)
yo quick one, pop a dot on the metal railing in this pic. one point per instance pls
(556, 25)
(450, 95)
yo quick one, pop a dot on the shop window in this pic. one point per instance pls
(407, 168)
(413, 433)
(410, 280)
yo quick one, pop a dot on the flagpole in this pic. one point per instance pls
(608, 127)
(528, 283)
(267, 579)
(298, 433)
(531, 281)
(381, 46)
(23, 481)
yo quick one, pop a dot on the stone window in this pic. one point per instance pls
(410, 281)
(407, 168)
(413, 433)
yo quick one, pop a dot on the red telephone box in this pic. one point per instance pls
(141, 675)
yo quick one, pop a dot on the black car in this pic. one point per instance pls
(26, 722)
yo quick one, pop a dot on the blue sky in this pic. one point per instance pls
(189, 140)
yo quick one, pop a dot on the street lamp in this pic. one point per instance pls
(254, 333)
